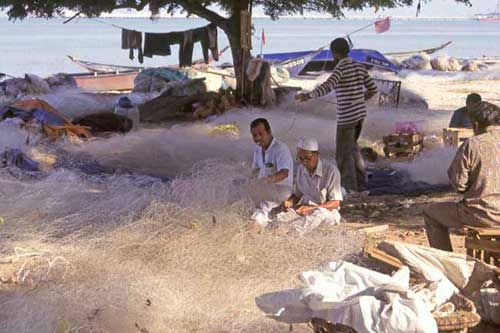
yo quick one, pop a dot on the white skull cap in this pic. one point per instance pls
(309, 144)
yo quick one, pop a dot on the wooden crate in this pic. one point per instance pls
(407, 151)
(484, 244)
(402, 145)
(456, 136)
(403, 139)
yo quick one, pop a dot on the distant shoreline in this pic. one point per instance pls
(260, 17)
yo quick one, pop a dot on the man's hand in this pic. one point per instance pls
(287, 204)
(302, 97)
(265, 180)
(305, 209)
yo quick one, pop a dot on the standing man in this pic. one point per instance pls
(475, 173)
(273, 167)
(353, 86)
(461, 117)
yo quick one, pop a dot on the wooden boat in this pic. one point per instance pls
(110, 81)
(410, 53)
(102, 68)
(302, 62)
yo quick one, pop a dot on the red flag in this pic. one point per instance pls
(382, 25)
(263, 37)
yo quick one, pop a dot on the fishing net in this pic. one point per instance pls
(156, 240)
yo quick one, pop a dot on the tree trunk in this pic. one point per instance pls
(241, 56)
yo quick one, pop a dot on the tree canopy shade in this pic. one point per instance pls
(18, 9)
(229, 22)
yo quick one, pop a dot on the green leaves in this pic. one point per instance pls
(19, 9)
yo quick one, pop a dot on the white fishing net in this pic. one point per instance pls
(131, 252)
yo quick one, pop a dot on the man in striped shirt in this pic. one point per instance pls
(353, 86)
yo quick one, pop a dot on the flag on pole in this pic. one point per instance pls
(263, 37)
(382, 25)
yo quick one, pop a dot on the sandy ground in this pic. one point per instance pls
(111, 256)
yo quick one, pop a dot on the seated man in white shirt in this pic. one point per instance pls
(273, 166)
(318, 193)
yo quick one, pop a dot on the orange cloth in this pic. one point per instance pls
(53, 132)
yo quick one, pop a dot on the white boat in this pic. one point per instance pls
(490, 17)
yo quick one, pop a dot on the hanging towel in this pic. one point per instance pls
(186, 49)
(131, 40)
(159, 43)
(212, 41)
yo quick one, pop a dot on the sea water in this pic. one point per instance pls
(40, 46)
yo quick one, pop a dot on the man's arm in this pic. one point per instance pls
(255, 165)
(277, 177)
(308, 209)
(330, 205)
(329, 85)
(324, 88)
(460, 168)
(371, 87)
(284, 164)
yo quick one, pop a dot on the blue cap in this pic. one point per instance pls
(125, 102)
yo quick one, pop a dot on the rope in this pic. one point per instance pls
(111, 24)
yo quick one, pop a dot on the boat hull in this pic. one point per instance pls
(297, 62)
(106, 82)
(489, 19)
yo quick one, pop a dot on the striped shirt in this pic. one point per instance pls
(353, 85)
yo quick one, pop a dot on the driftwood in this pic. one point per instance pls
(183, 103)
(175, 103)
(165, 108)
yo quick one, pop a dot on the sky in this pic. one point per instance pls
(434, 9)
(438, 8)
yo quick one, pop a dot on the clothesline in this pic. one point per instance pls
(108, 24)
(77, 15)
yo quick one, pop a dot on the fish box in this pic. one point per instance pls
(454, 137)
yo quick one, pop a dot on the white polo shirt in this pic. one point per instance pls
(277, 157)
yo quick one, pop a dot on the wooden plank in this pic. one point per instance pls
(375, 229)
(383, 257)
(482, 244)
(485, 231)
(455, 136)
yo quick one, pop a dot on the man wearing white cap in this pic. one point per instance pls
(317, 187)
(317, 194)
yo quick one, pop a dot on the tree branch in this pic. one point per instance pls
(132, 4)
(201, 11)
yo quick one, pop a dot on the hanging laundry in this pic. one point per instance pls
(213, 41)
(207, 36)
(259, 73)
(186, 49)
(159, 43)
(131, 40)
